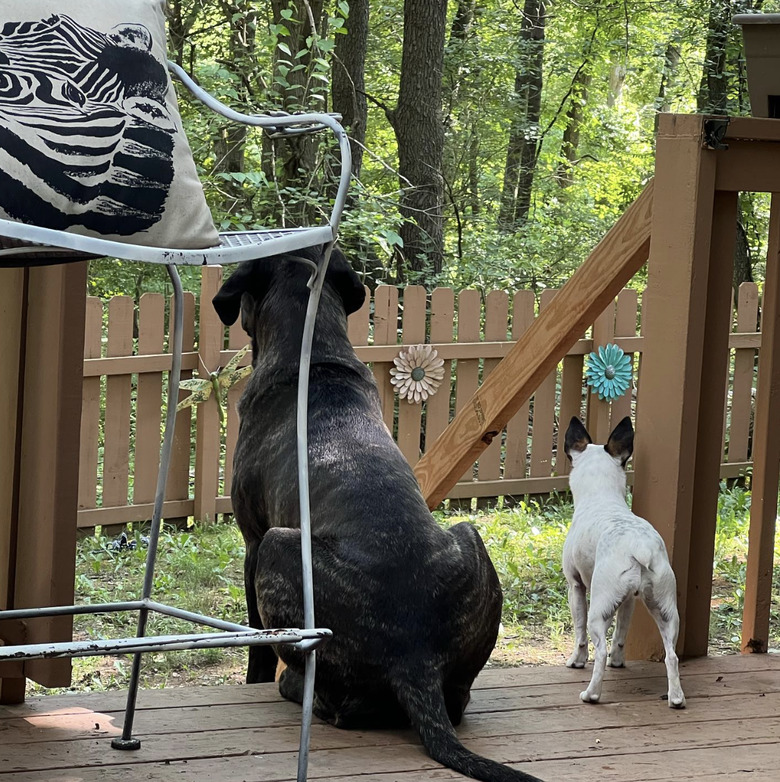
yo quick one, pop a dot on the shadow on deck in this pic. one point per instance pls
(529, 717)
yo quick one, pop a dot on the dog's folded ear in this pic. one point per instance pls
(621, 442)
(346, 281)
(227, 302)
(577, 437)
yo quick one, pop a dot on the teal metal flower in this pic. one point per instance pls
(609, 372)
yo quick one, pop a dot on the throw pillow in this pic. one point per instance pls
(90, 134)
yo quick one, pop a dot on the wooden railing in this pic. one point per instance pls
(125, 377)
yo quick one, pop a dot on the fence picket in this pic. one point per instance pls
(496, 317)
(358, 323)
(625, 326)
(410, 415)
(467, 370)
(544, 414)
(437, 408)
(598, 409)
(385, 333)
(744, 367)
(151, 338)
(90, 407)
(571, 405)
(116, 451)
(516, 451)
(211, 335)
(179, 472)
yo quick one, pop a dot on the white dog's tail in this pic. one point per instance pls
(423, 701)
(654, 576)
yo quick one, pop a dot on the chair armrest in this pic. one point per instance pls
(279, 123)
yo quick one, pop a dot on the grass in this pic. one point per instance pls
(201, 569)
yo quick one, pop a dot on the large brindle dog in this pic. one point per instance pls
(414, 608)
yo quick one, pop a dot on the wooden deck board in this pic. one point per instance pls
(529, 717)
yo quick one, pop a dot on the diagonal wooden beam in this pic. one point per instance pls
(614, 261)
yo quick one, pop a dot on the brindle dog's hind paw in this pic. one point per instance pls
(291, 685)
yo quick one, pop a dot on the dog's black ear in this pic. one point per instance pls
(577, 437)
(621, 442)
(346, 281)
(227, 302)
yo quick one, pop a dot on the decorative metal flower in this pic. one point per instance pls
(417, 373)
(202, 387)
(609, 372)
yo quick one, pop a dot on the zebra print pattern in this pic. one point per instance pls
(86, 138)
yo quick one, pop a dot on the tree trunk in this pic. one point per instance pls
(714, 87)
(230, 143)
(671, 63)
(296, 90)
(180, 24)
(456, 56)
(571, 132)
(419, 132)
(522, 152)
(349, 87)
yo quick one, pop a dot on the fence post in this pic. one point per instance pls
(208, 433)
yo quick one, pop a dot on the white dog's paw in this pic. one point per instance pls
(578, 658)
(589, 697)
(676, 701)
(617, 657)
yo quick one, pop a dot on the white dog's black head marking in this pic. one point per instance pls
(620, 444)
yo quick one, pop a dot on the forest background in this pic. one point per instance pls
(494, 141)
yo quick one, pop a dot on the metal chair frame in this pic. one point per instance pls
(21, 244)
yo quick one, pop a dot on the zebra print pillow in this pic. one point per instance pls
(90, 134)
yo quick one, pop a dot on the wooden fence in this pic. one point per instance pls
(126, 363)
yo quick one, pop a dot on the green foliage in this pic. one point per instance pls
(613, 66)
(525, 544)
(199, 569)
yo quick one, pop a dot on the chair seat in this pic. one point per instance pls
(26, 245)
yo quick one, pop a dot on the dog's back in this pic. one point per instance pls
(604, 528)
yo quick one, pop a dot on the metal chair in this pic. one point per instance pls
(22, 245)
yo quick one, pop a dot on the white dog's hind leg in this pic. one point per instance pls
(603, 603)
(579, 614)
(669, 628)
(617, 655)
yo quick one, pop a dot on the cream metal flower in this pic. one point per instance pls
(417, 373)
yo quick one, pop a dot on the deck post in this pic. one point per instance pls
(12, 287)
(766, 455)
(675, 303)
(46, 475)
(709, 451)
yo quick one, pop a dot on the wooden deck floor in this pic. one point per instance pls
(530, 717)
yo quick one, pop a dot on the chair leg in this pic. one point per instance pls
(306, 714)
(302, 422)
(126, 741)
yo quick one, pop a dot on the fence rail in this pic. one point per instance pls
(125, 374)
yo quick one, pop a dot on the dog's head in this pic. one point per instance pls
(279, 283)
(592, 464)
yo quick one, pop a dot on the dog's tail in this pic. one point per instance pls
(423, 701)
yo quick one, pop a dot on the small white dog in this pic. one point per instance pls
(616, 556)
